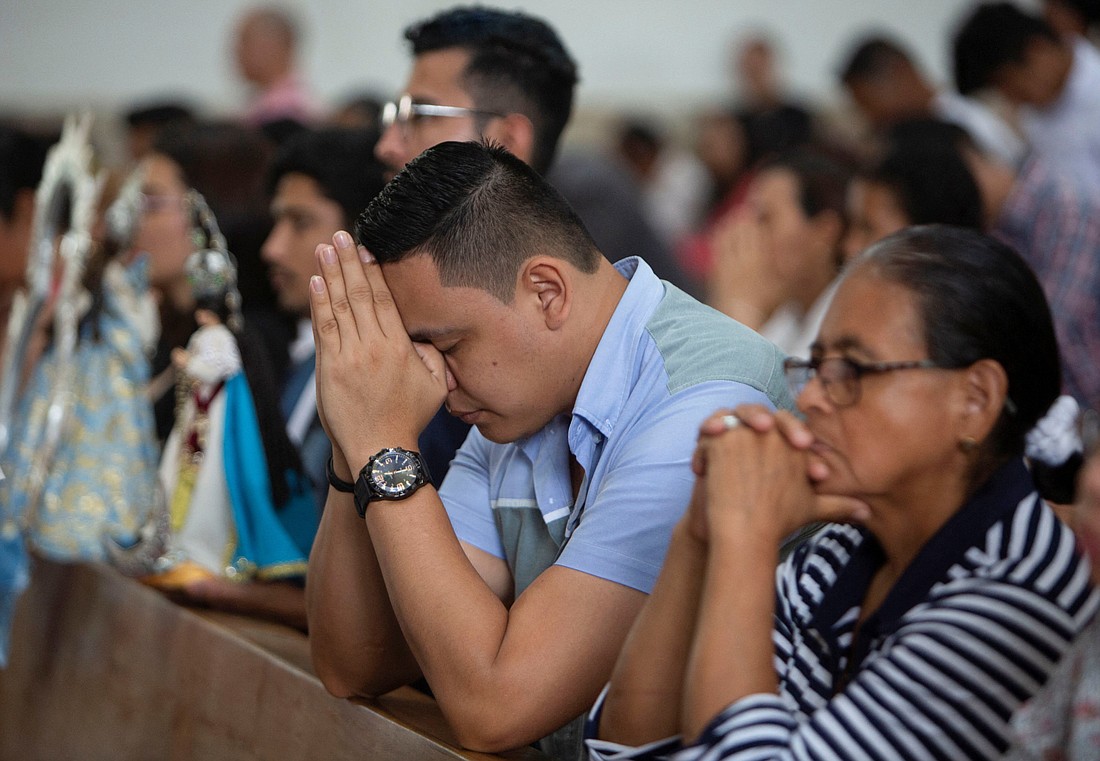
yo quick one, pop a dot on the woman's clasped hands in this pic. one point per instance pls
(756, 476)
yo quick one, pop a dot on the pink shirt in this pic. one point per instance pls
(287, 99)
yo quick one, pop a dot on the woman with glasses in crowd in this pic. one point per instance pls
(942, 591)
(260, 499)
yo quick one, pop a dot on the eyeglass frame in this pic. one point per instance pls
(400, 112)
(812, 368)
(154, 202)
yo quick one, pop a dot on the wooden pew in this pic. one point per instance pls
(102, 667)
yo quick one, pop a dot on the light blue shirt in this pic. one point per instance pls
(665, 362)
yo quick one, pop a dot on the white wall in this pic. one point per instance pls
(59, 54)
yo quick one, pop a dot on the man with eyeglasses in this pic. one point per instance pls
(481, 73)
(507, 77)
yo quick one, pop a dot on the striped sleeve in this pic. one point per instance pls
(945, 683)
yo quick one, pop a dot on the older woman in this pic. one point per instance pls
(916, 632)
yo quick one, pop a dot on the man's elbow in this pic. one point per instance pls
(358, 681)
(335, 679)
(489, 736)
(494, 728)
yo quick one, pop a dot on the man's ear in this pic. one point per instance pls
(984, 395)
(548, 282)
(515, 132)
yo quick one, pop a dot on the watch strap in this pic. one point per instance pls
(335, 481)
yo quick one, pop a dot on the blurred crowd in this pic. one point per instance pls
(754, 205)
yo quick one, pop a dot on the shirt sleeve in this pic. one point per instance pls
(603, 750)
(465, 496)
(943, 686)
(1070, 275)
(623, 532)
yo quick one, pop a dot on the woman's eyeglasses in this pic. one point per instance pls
(840, 376)
(154, 202)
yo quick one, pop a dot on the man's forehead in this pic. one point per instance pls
(296, 190)
(438, 74)
(299, 185)
(424, 302)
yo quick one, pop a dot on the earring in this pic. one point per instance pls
(968, 444)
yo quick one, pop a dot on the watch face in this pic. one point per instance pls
(394, 473)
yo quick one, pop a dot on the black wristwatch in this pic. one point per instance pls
(390, 474)
(335, 481)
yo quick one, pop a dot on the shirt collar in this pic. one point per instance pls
(614, 366)
(301, 348)
(994, 501)
(1084, 73)
(610, 374)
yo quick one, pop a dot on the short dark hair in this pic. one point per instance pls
(223, 160)
(22, 157)
(822, 180)
(160, 114)
(518, 64)
(1088, 10)
(871, 57)
(931, 182)
(932, 133)
(341, 162)
(993, 35)
(822, 185)
(479, 212)
(978, 299)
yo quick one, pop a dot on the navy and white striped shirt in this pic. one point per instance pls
(973, 628)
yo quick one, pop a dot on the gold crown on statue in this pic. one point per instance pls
(211, 269)
(211, 273)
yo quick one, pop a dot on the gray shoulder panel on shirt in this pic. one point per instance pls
(700, 344)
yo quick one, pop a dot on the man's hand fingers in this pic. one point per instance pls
(389, 319)
(328, 262)
(699, 462)
(362, 298)
(326, 333)
(434, 361)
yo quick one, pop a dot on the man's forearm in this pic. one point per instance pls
(504, 673)
(455, 624)
(355, 642)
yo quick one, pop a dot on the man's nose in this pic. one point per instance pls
(390, 148)
(272, 248)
